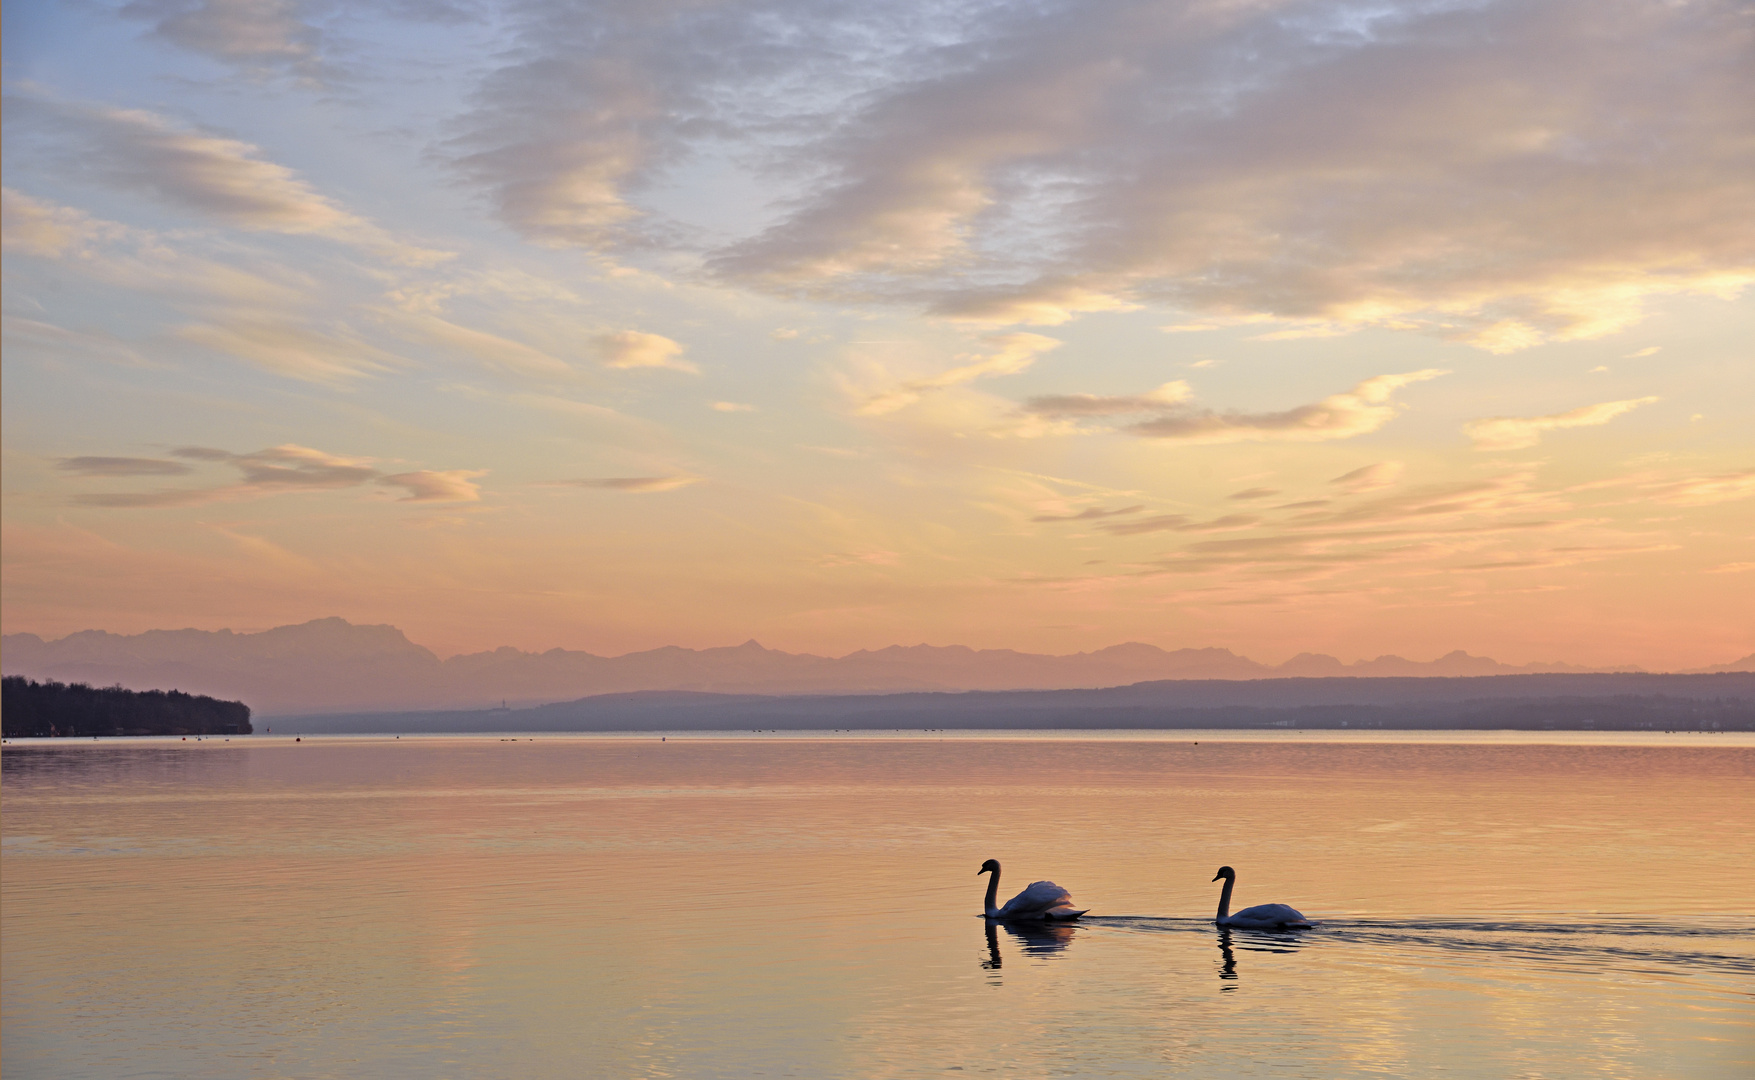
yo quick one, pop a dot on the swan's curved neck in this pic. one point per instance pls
(992, 891)
(1225, 897)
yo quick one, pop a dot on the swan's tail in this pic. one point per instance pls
(1063, 914)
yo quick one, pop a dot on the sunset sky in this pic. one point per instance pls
(1354, 328)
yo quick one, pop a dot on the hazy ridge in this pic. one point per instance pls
(1598, 701)
(331, 665)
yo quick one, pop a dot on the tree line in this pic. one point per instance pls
(31, 709)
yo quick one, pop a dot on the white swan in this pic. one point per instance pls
(1259, 917)
(1041, 900)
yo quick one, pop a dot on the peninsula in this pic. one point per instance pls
(48, 709)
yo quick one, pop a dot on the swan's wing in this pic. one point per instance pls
(1037, 899)
(1271, 915)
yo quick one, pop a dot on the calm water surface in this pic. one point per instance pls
(574, 906)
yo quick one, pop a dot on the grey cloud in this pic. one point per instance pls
(257, 36)
(288, 467)
(1480, 170)
(1359, 411)
(1072, 406)
(121, 466)
(1089, 514)
(922, 167)
(277, 469)
(593, 107)
(265, 38)
(300, 466)
(1254, 493)
(210, 174)
(131, 500)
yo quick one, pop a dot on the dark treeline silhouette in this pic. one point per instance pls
(32, 709)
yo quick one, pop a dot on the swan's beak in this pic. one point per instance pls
(1217, 876)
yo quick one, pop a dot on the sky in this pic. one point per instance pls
(1281, 326)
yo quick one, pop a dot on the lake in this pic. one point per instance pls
(1490, 905)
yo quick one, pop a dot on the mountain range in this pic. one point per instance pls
(332, 665)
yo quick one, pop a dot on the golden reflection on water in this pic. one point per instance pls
(703, 907)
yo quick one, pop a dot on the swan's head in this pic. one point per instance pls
(1227, 873)
(990, 864)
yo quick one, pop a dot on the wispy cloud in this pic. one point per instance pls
(38, 227)
(226, 180)
(635, 349)
(24, 336)
(1089, 514)
(1369, 477)
(453, 485)
(637, 484)
(145, 262)
(492, 350)
(1704, 490)
(1011, 354)
(1179, 523)
(293, 349)
(1138, 526)
(1359, 411)
(1519, 432)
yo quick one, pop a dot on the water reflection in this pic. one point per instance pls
(1263, 941)
(1228, 963)
(60, 769)
(1036, 938)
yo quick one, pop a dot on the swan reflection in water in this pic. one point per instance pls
(1036, 938)
(1229, 946)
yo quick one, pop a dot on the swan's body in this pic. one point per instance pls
(1259, 917)
(1039, 900)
